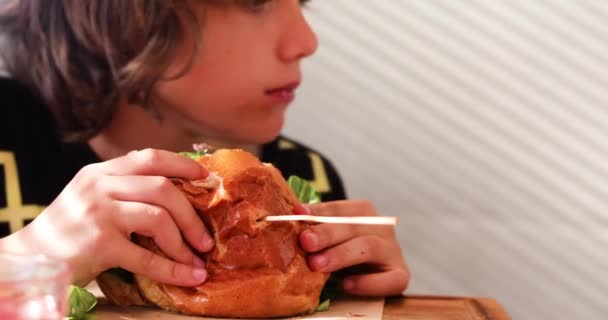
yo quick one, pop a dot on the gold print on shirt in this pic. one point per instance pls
(320, 181)
(15, 212)
(286, 145)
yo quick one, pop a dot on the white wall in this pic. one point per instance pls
(484, 126)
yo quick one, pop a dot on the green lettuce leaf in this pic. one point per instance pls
(81, 302)
(330, 291)
(323, 306)
(193, 155)
(332, 288)
(303, 190)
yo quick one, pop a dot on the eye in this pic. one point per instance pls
(259, 5)
(254, 5)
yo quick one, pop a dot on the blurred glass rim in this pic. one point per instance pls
(19, 268)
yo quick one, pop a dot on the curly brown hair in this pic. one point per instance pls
(82, 56)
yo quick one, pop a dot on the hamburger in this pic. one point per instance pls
(256, 268)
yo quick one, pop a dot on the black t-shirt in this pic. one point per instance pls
(35, 165)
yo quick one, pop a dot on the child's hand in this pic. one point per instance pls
(90, 223)
(370, 249)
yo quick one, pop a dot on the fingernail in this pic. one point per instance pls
(312, 239)
(207, 243)
(301, 209)
(320, 261)
(348, 284)
(307, 209)
(199, 274)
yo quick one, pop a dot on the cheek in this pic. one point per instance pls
(202, 85)
(222, 103)
(213, 91)
(209, 107)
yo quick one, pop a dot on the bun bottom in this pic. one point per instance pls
(118, 291)
(243, 295)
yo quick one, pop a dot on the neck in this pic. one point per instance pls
(133, 128)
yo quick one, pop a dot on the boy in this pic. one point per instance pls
(92, 81)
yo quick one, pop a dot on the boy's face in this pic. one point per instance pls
(233, 91)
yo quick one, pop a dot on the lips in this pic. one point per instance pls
(285, 93)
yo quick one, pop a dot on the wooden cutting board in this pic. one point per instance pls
(443, 308)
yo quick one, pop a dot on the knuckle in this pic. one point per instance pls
(148, 260)
(90, 168)
(86, 170)
(162, 184)
(93, 209)
(178, 250)
(156, 184)
(90, 183)
(146, 156)
(85, 179)
(184, 253)
(156, 214)
(175, 271)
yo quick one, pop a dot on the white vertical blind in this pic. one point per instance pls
(484, 125)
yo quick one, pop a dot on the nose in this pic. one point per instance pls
(299, 40)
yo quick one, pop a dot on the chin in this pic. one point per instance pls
(268, 137)
(263, 133)
(245, 137)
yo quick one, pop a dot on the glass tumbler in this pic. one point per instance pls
(33, 287)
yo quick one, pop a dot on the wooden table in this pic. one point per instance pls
(412, 307)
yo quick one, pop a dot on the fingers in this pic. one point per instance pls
(370, 254)
(387, 283)
(161, 192)
(141, 261)
(156, 223)
(321, 236)
(155, 163)
(385, 274)
(364, 249)
(301, 209)
(343, 208)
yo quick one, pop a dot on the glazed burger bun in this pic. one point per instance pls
(257, 268)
